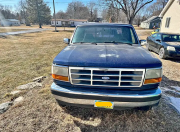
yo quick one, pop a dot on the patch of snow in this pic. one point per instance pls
(176, 88)
(17, 100)
(175, 102)
(169, 94)
(15, 92)
(29, 85)
(4, 107)
(39, 79)
(163, 88)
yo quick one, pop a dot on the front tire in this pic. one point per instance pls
(145, 108)
(60, 104)
(162, 53)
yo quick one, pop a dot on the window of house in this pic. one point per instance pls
(168, 19)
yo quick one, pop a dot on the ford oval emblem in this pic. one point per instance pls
(105, 78)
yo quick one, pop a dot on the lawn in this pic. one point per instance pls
(27, 56)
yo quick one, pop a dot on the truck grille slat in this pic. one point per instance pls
(110, 77)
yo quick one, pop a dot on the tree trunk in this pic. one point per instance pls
(40, 25)
(130, 21)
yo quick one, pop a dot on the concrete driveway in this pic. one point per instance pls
(22, 32)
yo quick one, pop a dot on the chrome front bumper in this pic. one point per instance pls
(71, 96)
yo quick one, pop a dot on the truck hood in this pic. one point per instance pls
(112, 56)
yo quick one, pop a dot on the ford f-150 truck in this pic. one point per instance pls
(104, 66)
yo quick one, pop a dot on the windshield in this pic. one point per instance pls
(171, 38)
(104, 34)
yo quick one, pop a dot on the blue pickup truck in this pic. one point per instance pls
(104, 66)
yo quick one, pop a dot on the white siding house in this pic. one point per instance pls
(68, 22)
(151, 22)
(9, 22)
(170, 16)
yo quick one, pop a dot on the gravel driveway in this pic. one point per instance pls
(22, 32)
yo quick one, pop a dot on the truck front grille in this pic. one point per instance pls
(110, 77)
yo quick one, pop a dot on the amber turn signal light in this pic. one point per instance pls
(61, 78)
(154, 80)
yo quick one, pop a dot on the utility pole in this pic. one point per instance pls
(54, 15)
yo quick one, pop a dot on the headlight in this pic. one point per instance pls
(60, 72)
(153, 76)
(171, 48)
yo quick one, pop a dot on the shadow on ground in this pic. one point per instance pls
(166, 82)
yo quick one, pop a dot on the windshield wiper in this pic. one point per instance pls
(114, 42)
(85, 43)
(110, 42)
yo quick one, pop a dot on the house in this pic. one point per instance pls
(9, 22)
(68, 22)
(170, 17)
(23, 21)
(151, 22)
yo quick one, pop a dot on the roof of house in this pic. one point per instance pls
(166, 8)
(60, 20)
(77, 20)
(150, 19)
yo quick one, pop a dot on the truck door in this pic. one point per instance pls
(157, 42)
(152, 42)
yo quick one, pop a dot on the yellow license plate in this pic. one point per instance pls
(103, 104)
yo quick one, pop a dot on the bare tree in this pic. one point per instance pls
(7, 12)
(23, 10)
(77, 10)
(129, 7)
(61, 15)
(92, 9)
(156, 8)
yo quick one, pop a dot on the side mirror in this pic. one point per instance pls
(66, 40)
(158, 40)
(143, 42)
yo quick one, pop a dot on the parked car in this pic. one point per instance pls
(165, 44)
(155, 31)
(104, 66)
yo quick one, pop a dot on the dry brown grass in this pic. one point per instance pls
(40, 112)
(27, 56)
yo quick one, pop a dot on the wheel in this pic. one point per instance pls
(162, 53)
(145, 108)
(147, 46)
(60, 104)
